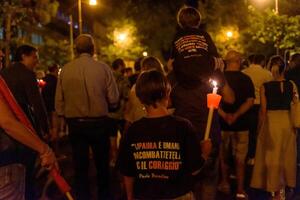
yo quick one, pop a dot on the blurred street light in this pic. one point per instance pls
(145, 53)
(122, 37)
(229, 34)
(276, 5)
(92, 3)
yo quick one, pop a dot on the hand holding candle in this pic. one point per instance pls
(213, 100)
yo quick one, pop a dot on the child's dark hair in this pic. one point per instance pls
(151, 87)
(151, 63)
(117, 63)
(259, 59)
(188, 17)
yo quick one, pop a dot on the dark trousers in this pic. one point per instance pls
(253, 120)
(27, 157)
(85, 133)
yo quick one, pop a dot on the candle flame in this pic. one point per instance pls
(214, 83)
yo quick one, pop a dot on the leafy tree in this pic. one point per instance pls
(155, 23)
(281, 31)
(18, 13)
(124, 41)
(53, 52)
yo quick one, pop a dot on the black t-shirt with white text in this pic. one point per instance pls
(161, 154)
(194, 55)
(193, 42)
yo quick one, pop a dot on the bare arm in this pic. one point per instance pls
(263, 107)
(222, 113)
(20, 133)
(242, 109)
(128, 181)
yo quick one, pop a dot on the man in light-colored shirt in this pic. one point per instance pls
(86, 89)
(259, 76)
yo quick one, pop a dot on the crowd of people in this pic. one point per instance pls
(161, 115)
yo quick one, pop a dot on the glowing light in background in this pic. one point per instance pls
(122, 37)
(93, 2)
(229, 34)
(145, 53)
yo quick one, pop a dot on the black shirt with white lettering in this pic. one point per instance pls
(195, 56)
(192, 42)
(161, 154)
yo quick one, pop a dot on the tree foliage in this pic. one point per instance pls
(281, 31)
(53, 52)
(124, 41)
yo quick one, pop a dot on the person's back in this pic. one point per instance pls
(234, 122)
(294, 72)
(86, 84)
(160, 164)
(294, 75)
(243, 88)
(277, 139)
(85, 90)
(278, 95)
(48, 91)
(258, 75)
(193, 43)
(22, 82)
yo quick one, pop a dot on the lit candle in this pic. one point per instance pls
(215, 98)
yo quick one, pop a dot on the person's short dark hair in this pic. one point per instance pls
(117, 63)
(84, 43)
(24, 50)
(277, 60)
(128, 69)
(188, 17)
(152, 86)
(259, 59)
(150, 63)
(53, 68)
(251, 58)
(295, 58)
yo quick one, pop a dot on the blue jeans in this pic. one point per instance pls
(12, 182)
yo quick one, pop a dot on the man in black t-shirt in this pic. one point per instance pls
(234, 122)
(159, 154)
